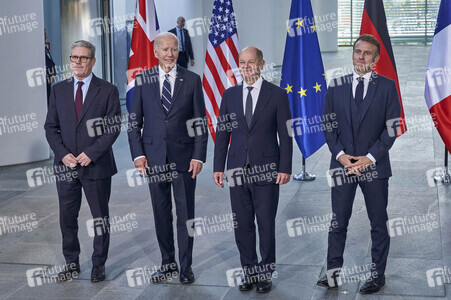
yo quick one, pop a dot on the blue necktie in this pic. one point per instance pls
(166, 97)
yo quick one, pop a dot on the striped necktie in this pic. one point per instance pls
(166, 97)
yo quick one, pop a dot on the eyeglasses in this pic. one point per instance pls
(83, 59)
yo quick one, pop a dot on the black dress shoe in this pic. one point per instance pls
(264, 286)
(98, 273)
(166, 273)
(373, 285)
(247, 283)
(70, 272)
(325, 283)
(186, 275)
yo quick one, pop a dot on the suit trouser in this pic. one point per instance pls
(184, 193)
(249, 201)
(375, 193)
(97, 194)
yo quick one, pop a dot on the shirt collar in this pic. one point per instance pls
(86, 81)
(257, 85)
(366, 77)
(171, 73)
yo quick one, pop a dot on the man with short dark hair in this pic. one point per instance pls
(365, 105)
(185, 48)
(78, 108)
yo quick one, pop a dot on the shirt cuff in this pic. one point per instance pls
(371, 158)
(138, 157)
(198, 160)
(339, 154)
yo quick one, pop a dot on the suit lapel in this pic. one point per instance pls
(239, 102)
(94, 88)
(347, 90)
(372, 85)
(149, 76)
(69, 100)
(179, 78)
(263, 98)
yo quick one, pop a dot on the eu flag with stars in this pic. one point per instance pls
(303, 78)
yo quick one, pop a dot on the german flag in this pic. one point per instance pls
(374, 22)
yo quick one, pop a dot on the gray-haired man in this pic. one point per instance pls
(83, 121)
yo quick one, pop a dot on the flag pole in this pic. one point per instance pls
(304, 175)
(445, 177)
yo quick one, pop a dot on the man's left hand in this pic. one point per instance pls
(192, 62)
(83, 159)
(362, 162)
(196, 167)
(282, 178)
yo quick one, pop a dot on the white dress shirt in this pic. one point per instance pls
(162, 76)
(254, 93)
(84, 87)
(355, 82)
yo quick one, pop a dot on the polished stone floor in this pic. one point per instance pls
(418, 265)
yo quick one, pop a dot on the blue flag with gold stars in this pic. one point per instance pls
(303, 78)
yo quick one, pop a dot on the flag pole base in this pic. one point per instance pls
(444, 178)
(304, 176)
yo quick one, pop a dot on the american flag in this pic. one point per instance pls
(221, 59)
(142, 57)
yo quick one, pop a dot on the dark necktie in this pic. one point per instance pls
(248, 113)
(359, 92)
(79, 99)
(166, 98)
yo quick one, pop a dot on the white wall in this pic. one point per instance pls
(23, 101)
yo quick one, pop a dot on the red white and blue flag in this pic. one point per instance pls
(437, 91)
(142, 57)
(221, 60)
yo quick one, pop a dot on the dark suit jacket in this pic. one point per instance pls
(167, 135)
(188, 47)
(268, 121)
(65, 135)
(380, 105)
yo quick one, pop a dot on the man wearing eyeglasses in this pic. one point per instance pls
(83, 121)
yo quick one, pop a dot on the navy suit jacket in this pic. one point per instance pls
(188, 47)
(268, 122)
(67, 135)
(375, 135)
(167, 135)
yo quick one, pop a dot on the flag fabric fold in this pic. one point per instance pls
(437, 91)
(303, 78)
(374, 22)
(221, 60)
(142, 57)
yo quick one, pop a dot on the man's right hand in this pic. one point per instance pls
(345, 159)
(141, 165)
(69, 160)
(218, 177)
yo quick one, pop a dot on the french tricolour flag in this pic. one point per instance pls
(437, 92)
(142, 57)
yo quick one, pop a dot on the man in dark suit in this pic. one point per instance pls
(185, 48)
(77, 107)
(166, 100)
(365, 109)
(257, 163)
